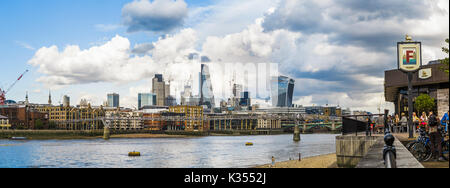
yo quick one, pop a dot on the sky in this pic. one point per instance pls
(335, 50)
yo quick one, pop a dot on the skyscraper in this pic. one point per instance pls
(159, 88)
(282, 91)
(205, 87)
(113, 100)
(146, 99)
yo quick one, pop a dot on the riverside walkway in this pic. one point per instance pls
(374, 157)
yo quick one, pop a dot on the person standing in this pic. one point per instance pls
(415, 122)
(444, 121)
(404, 123)
(423, 121)
(396, 123)
(435, 137)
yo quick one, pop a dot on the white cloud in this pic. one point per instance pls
(110, 62)
(25, 45)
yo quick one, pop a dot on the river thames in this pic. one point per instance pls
(197, 152)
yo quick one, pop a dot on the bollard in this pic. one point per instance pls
(389, 151)
(299, 157)
(106, 133)
(296, 133)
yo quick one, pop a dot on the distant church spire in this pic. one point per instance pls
(26, 99)
(49, 97)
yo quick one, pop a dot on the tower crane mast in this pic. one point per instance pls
(4, 92)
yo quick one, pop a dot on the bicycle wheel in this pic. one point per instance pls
(418, 150)
(428, 153)
(445, 149)
(410, 145)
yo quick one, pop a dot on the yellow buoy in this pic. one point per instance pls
(134, 154)
(249, 144)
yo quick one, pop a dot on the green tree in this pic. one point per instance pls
(38, 125)
(445, 61)
(424, 103)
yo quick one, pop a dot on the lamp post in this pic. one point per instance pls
(409, 59)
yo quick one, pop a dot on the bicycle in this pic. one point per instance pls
(421, 148)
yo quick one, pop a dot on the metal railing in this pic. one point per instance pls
(389, 151)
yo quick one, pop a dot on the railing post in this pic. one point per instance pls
(389, 151)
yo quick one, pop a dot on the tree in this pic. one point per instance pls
(445, 61)
(38, 125)
(424, 103)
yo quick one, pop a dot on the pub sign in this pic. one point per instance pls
(409, 56)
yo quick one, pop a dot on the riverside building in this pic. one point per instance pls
(430, 79)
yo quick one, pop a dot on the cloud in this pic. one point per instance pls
(25, 45)
(372, 24)
(142, 49)
(107, 27)
(155, 16)
(110, 62)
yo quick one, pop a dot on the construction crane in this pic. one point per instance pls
(4, 92)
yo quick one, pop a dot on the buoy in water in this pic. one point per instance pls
(249, 144)
(134, 154)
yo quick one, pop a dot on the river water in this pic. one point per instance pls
(200, 152)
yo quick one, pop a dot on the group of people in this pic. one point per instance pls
(430, 123)
(400, 124)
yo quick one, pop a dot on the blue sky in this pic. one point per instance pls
(336, 51)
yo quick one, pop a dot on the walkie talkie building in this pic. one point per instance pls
(282, 91)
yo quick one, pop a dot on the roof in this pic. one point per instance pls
(395, 79)
(3, 117)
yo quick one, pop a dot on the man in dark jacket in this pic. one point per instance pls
(435, 137)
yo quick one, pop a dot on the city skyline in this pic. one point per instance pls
(55, 52)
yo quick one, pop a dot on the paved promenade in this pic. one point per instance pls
(374, 158)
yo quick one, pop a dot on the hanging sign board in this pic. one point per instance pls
(409, 56)
(425, 74)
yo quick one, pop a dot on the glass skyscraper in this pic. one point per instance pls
(113, 100)
(146, 99)
(282, 91)
(205, 87)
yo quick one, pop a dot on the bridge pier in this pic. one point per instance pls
(296, 133)
(106, 133)
(304, 128)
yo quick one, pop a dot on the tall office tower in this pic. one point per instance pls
(113, 100)
(237, 89)
(167, 90)
(245, 99)
(205, 87)
(159, 88)
(282, 91)
(66, 101)
(186, 95)
(146, 99)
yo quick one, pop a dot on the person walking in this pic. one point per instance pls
(273, 161)
(435, 137)
(404, 123)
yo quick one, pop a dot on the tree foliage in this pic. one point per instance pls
(38, 125)
(445, 61)
(424, 103)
